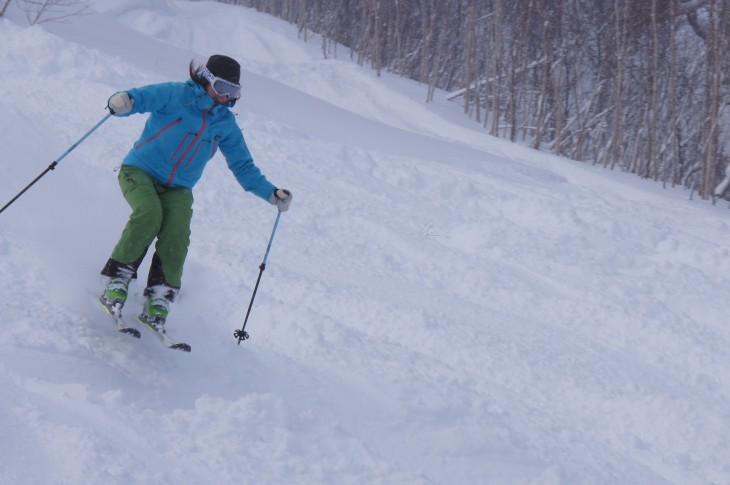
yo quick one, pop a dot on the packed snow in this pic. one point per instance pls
(439, 306)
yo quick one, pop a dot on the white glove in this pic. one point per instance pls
(281, 198)
(120, 104)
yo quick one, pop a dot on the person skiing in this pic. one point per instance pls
(188, 123)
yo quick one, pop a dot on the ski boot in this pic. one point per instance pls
(115, 295)
(157, 307)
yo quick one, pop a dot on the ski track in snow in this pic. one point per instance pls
(438, 306)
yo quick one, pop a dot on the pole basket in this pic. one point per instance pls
(240, 335)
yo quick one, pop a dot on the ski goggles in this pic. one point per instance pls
(221, 86)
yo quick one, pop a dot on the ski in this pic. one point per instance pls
(116, 316)
(166, 340)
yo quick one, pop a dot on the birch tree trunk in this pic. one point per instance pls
(4, 7)
(617, 136)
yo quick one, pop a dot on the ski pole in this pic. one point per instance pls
(55, 162)
(242, 334)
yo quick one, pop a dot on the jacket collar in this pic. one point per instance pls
(201, 99)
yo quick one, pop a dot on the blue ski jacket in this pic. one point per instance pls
(183, 132)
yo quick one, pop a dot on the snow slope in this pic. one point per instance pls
(439, 306)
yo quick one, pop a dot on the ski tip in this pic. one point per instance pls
(183, 347)
(131, 331)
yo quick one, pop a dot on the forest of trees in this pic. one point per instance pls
(639, 85)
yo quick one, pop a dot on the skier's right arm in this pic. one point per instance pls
(145, 99)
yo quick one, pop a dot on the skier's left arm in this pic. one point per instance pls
(248, 175)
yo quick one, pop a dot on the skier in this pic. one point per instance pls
(188, 122)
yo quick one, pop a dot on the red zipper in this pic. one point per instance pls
(192, 143)
(180, 146)
(164, 129)
(215, 146)
(192, 157)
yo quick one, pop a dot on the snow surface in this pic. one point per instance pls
(439, 306)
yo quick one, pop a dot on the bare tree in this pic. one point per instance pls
(636, 85)
(38, 11)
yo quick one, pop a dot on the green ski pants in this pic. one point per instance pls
(157, 212)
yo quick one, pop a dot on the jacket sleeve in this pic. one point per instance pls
(153, 97)
(240, 161)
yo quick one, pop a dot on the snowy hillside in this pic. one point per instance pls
(439, 306)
